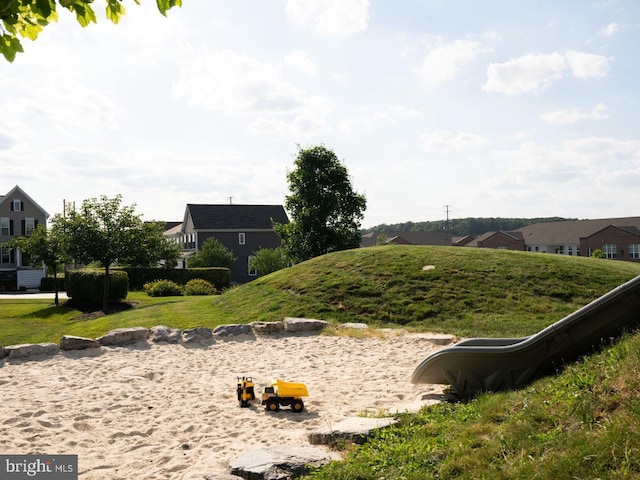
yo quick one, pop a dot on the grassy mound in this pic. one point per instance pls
(462, 291)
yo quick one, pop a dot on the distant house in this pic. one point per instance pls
(618, 238)
(499, 240)
(19, 216)
(243, 229)
(406, 238)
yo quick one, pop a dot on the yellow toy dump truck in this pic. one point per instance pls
(245, 391)
(282, 393)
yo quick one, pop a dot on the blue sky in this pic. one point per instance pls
(494, 108)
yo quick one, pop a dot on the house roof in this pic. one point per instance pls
(515, 235)
(570, 231)
(234, 217)
(23, 195)
(411, 238)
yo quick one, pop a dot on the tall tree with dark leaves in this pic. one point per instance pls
(325, 210)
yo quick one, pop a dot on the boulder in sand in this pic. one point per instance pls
(303, 325)
(280, 462)
(69, 342)
(124, 336)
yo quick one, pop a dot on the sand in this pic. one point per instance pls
(162, 411)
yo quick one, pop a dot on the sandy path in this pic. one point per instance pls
(168, 411)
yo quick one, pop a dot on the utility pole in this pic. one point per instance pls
(447, 227)
(230, 200)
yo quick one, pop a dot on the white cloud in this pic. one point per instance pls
(531, 73)
(599, 112)
(587, 65)
(394, 113)
(444, 141)
(330, 18)
(301, 60)
(232, 83)
(609, 30)
(525, 74)
(235, 84)
(445, 62)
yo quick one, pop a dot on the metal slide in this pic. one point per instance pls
(491, 364)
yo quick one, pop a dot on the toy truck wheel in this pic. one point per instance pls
(297, 406)
(273, 406)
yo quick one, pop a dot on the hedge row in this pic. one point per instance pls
(219, 277)
(47, 284)
(87, 286)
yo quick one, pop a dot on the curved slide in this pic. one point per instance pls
(491, 364)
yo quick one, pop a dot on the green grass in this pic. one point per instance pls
(470, 292)
(582, 423)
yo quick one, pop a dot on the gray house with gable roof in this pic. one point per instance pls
(243, 229)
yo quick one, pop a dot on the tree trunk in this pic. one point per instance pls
(55, 284)
(105, 300)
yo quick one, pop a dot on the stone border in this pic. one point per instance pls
(200, 335)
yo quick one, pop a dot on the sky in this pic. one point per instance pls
(440, 107)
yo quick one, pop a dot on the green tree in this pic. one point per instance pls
(102, 231)
(597, 253)
(44, 247)
(325, 210)
(27, 18)
(212, 254)
(269, 260)
(151, 247)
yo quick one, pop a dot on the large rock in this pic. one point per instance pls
(124, 336)
(301, 325)
(267, 328)
(353, 429)
(354, 326)
(31, 350)
(280, 462)
(232, 330)
(197, 335)
(3, 352)
(161, 333)
(69, 342)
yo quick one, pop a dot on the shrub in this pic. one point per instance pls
(47, 284)
(162, 288)
(198, 286)
(87, 286)
(139, 276)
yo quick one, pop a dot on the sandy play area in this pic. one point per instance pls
(169, 411)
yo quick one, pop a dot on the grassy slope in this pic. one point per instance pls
(583, 423)
(470, 292)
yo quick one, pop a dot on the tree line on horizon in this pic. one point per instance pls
(464, 226)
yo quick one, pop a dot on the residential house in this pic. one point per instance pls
(500, 240)
(19, 216)
(618, 238)
(243, 229)
(406, 238)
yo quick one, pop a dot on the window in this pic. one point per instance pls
(5, 255)
(5, 226)
(241, 239)
(29, 225)
(16, 206)
(610, 250)
(634, 250)
(252, 271)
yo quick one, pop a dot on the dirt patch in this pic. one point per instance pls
(91, 311)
